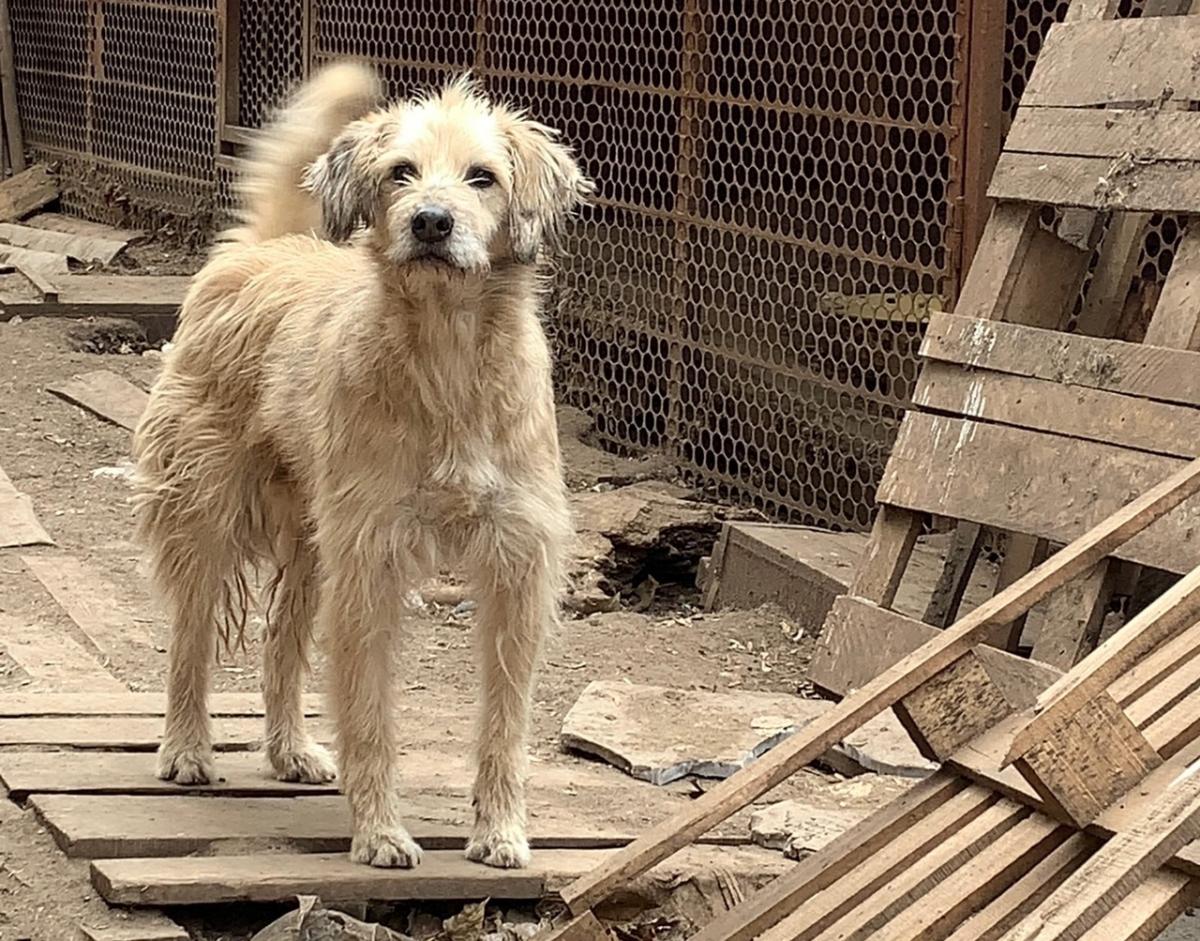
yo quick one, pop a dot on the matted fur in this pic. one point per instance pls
(350, 417)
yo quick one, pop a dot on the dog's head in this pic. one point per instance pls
(449, 182)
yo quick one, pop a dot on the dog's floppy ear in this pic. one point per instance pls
(345, 181)
(547, 183)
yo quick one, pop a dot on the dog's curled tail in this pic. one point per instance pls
(273, 199)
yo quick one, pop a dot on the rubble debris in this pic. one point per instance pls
(658, 734)
(89, 249)
(799, 828)
(27, 191)
(884, 747)
(312, 920)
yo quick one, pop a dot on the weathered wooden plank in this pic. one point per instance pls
(970, 812)
(19, 524)
(1176, 320)
(24, 192)
(1109, 133)
(967, 889)
(1132, 369)
(90, 602)
(1148, 910)
(124, 826)
(1147, 674)
(105, 394)
(885, 690)
(117, 295)
(18, 705)
(961, 557)
(1127, 185)
(994, 275)
(1073, 617)
(1177, 609)
(1116, 62)
(72, 225)
(937, 463)
(1171, 690)
(1058, 408)
(34, 264)
(132, 733)
(1020, 898)
(882, 566)
(444, 874)
(1170, 822)
(53, 659)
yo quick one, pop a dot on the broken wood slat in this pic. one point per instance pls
(26, 191)
(964, 819)
(951, 585)
(893, 536)
(1175, 610)
(444, 874)
(885, 690)
(52, 658)
(89, 601)
(151, 300)
(1175, 729)
(1145, 676)
(124, 826)
(1085, 65)
(19, 524)
(938, 461)
(85, 248)
(72, 225)
(131, 733)
(1058, 408)
(993, 276)
(1072, 181)
(933, 915)
(1073, 617)
(18, 705)
(1170, 822)
(1110, 133)
(825, 867)
(1171, 690)
(106, 394)
(1148, 910)
(1090, 758)
(1020, 898)
(1020, 555)
(863, 640)
(1176, 320)
(1132, 369)
(1113, 274)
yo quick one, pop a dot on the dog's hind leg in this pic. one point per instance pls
(191, 574)
(293, 754)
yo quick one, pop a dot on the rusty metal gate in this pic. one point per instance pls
(786, 188)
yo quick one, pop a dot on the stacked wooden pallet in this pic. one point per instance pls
(1068, 805)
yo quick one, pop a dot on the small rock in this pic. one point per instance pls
(463, 609)
(118, 472)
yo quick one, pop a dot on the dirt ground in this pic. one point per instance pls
(69, 463)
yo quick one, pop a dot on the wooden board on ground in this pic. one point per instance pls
(106, 394)
(444, 874)
(19, 525)
(29, 261)
(72, 225)
(130, 733)
(150, 300)
(125, 826)
(53, 660)
(18, 705)
(24, 192)
(84, 248)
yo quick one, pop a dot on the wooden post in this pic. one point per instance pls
(229, 21)
(8, 91)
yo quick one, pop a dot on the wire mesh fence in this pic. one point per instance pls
(778, 188)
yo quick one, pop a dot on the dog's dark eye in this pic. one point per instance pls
(404, 172)
(481, 178)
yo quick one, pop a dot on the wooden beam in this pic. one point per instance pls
(1132, 369)
(1176, 320)
(1108, 133)
(1125, 861)
(1073, 617)
(956, 572)
(1098, 183)
(886, 555)
(1176, 609)
(885, 690)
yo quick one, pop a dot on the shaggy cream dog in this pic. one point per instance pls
(349, 416)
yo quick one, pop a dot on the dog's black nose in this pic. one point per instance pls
(432, 224)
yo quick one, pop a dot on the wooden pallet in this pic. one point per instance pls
(1066, 806)
(85, 765)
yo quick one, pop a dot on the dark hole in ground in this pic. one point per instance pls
(123, 338)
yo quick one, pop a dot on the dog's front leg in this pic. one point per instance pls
(361, 612)
(515, 612)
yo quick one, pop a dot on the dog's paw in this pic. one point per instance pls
(504, 849)
(309, 764)
(189, 764)
(394, 849)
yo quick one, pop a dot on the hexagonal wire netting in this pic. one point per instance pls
(775, 188)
